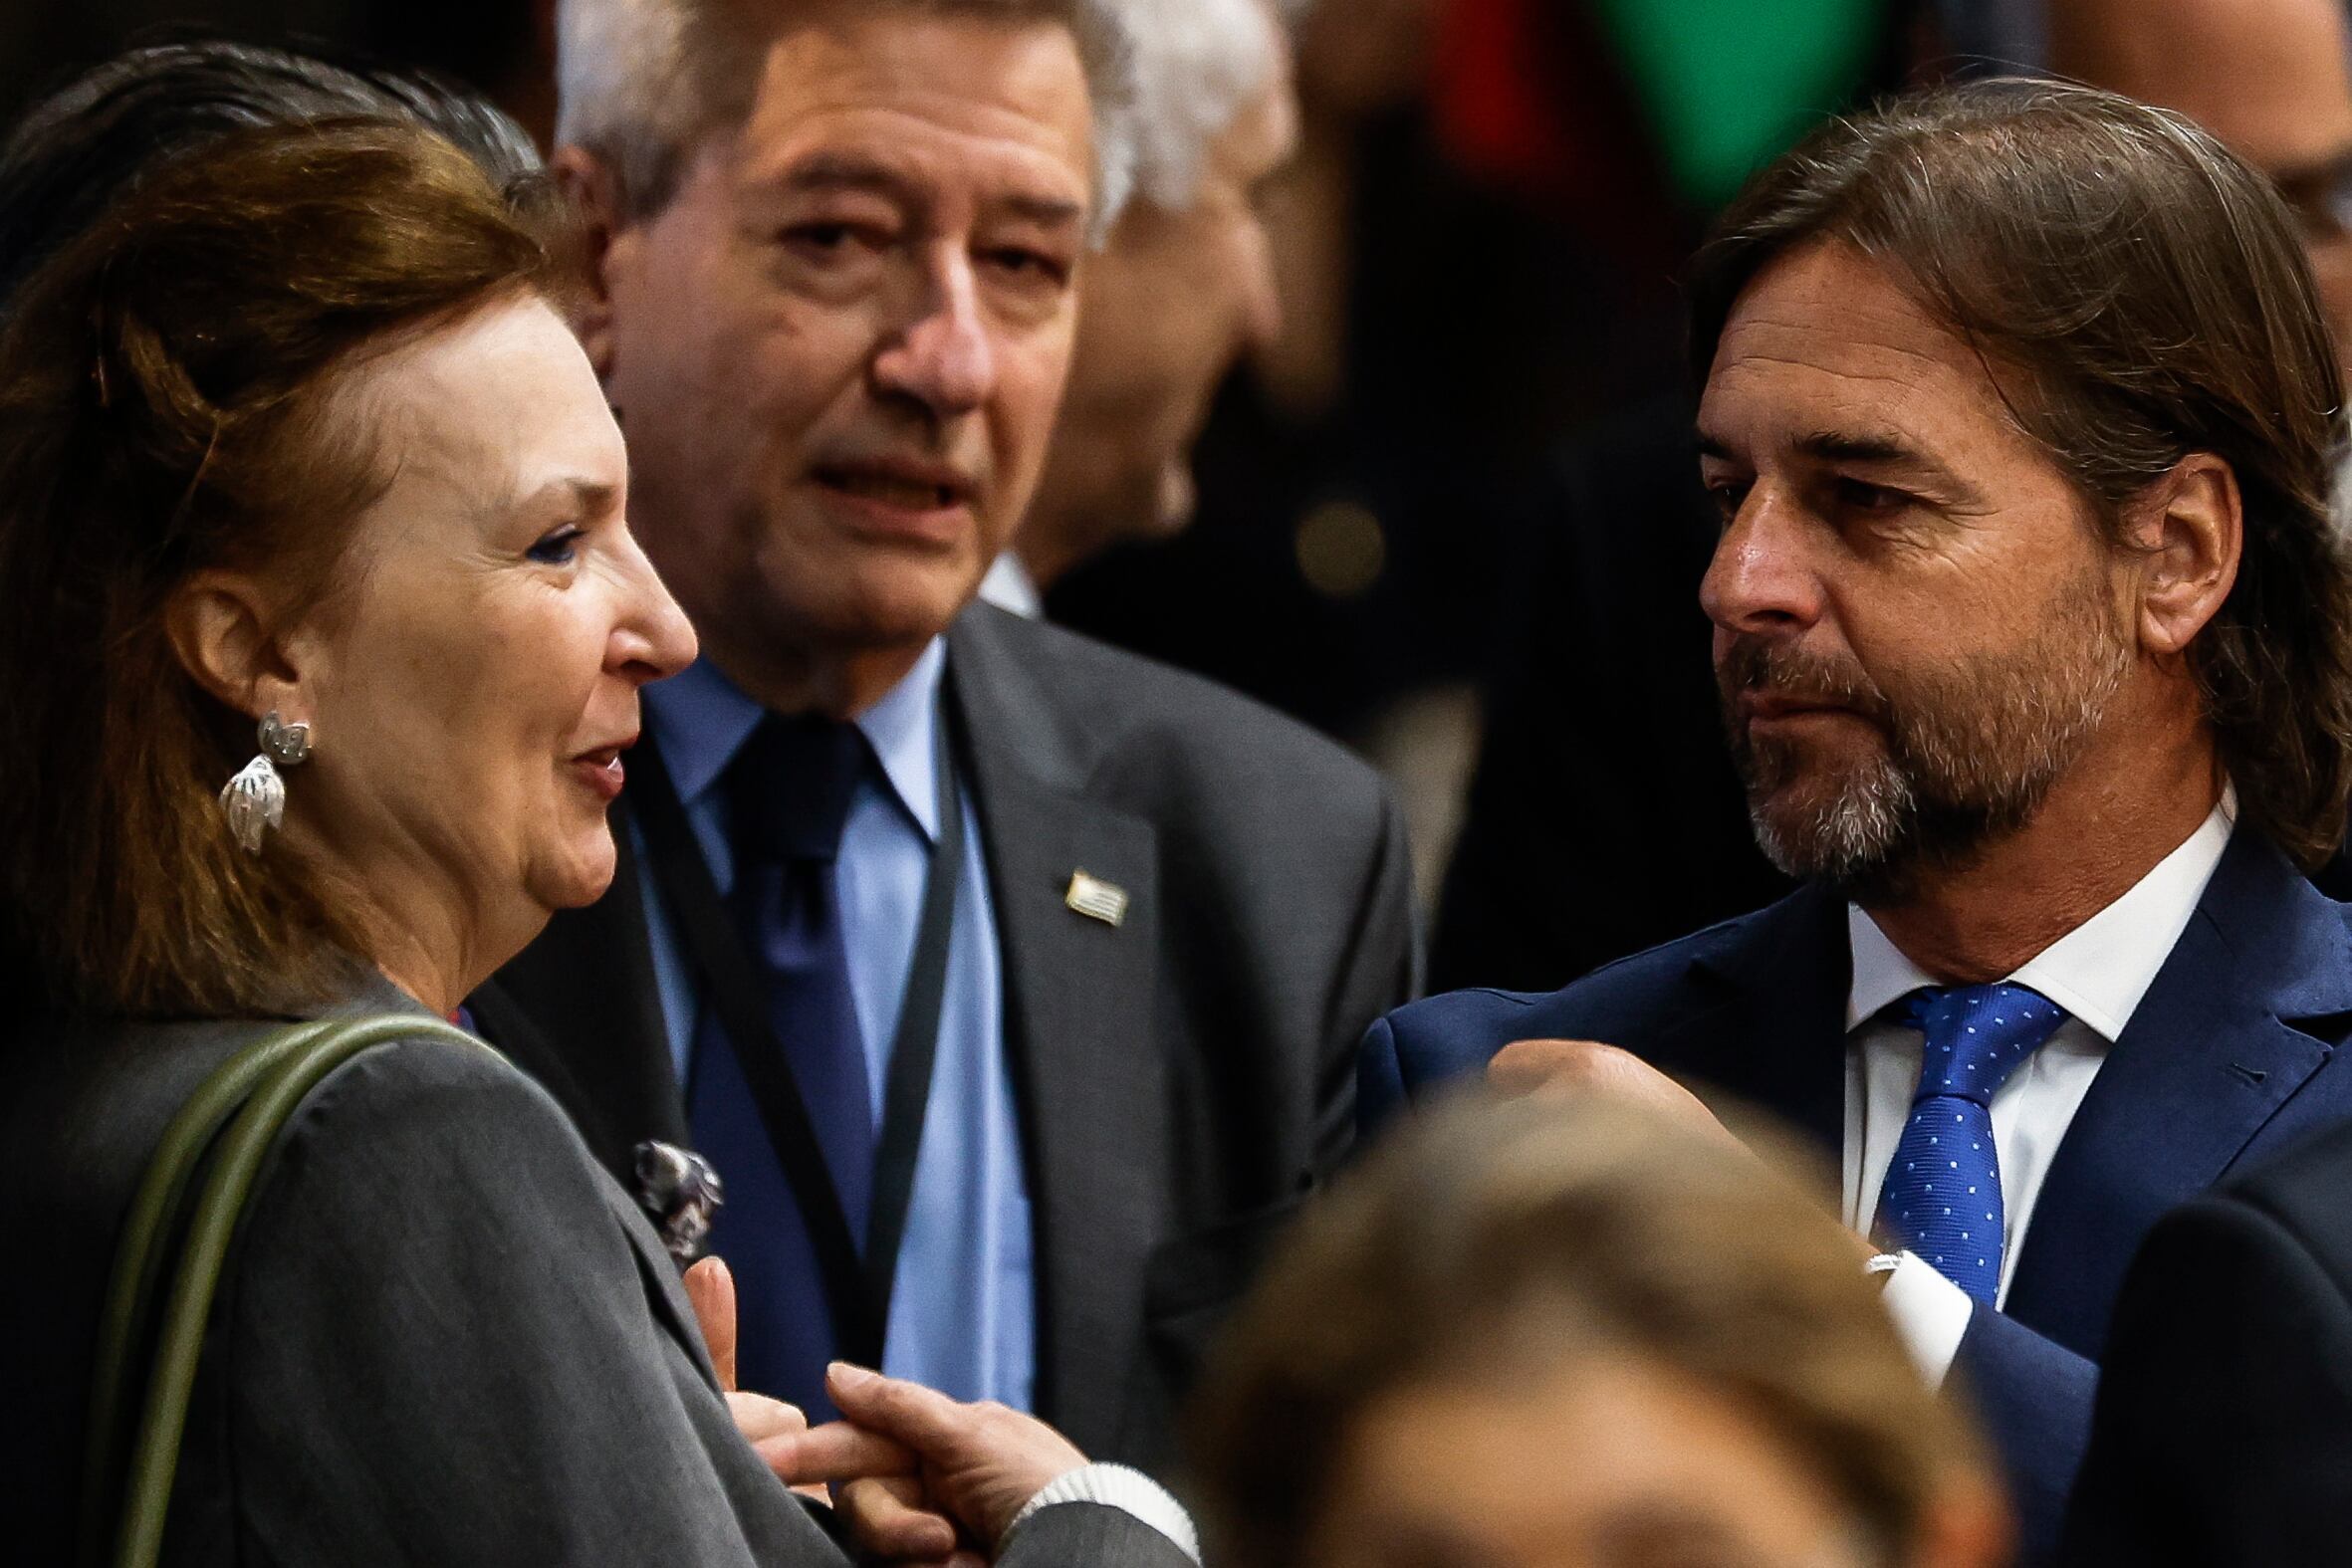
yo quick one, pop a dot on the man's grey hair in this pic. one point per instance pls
(1197, 64)
(641, 81)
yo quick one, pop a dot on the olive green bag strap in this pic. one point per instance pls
(168, 1266)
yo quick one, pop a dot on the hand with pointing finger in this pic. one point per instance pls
(977, 1466)
(763, 1422)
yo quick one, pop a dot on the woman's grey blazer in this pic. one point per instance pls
(444, 1336)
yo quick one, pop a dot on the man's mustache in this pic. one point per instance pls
(1754, 665)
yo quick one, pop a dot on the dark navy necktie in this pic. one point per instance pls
(1942, 1198)
(788, 794)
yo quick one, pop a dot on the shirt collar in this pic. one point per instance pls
(1008, 586)
(700, 719)
(2099, 971)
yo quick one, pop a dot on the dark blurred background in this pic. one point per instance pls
(1415, 510)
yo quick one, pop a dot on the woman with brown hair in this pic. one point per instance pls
(323, 640)
(1540, 1336)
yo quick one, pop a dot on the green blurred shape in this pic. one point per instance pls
(1730, 84)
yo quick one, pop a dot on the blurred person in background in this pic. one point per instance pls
(1340, 550)
(1181, 289)
(2034, 634)
(1008, 979)
(295, 434)
(2272, 79)
(1546, 1336)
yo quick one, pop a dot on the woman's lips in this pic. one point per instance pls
(601, 770)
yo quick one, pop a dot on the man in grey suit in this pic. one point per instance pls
(1010, 981)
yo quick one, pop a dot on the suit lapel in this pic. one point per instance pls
(1772, 1031)
(582, 1010)
(1079, 1023)
(2208, 1058)
(664, 1290)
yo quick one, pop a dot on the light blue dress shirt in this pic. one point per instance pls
(963, 1316)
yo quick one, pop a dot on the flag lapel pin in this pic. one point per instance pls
(1096, 899)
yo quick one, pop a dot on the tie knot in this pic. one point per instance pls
(1977, 1035)
(790, 785)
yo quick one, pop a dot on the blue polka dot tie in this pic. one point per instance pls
(1941, 1196)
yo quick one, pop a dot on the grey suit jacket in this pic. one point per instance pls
(1185, 1079)
(443, 1335)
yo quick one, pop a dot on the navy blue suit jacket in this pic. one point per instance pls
(2222, 1062)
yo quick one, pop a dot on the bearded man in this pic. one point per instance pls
(2034, 642)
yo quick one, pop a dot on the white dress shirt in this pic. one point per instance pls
(2098, 972)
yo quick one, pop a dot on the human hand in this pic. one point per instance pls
(908, 1460)
(1587, 1070)
(763, 1422)
(710, 1290)
(891, 1520)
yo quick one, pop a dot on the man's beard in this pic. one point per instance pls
(1968, 750)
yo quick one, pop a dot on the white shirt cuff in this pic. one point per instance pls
(1931, 1316)
(1130, 1491)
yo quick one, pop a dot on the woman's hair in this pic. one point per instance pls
(1495, 1242)
(169, 404)
(104, 134)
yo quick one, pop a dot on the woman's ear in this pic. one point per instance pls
(222, 627)
(2190, 527)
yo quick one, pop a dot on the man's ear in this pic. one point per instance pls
(2190, 527)
(594, 190)
(221, 626)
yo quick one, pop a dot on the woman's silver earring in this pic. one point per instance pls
(285, 744)
(256, 797)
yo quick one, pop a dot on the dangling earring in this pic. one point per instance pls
(255, 798)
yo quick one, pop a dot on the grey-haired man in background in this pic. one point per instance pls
(1182, 290)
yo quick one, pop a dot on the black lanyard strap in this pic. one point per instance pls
(858, 1285)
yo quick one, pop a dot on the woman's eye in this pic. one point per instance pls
(556, 549)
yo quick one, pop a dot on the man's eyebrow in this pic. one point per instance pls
(1046, 213)
(1874, 448)
(1833, 446)
(841, 171)
(831, 171)
(1846, 446)
(1886, 450)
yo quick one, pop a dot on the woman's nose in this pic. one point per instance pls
(653, 639)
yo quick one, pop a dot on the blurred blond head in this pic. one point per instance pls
(1536, 1334)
